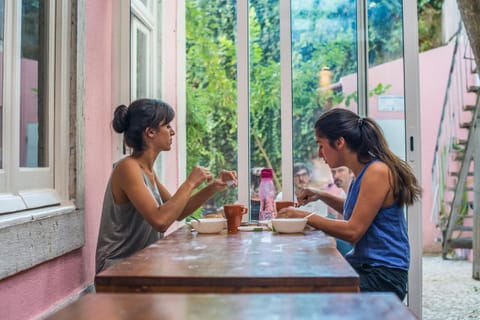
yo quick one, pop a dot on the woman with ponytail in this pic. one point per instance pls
(373, 212)
(137, 207)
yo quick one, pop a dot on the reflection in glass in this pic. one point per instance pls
(2, 14)
(34, 109)
(211, 119)
(141, 63)
(324, 71)
(385, 72)
(264, 89)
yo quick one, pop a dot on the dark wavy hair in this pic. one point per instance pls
(365, 137)
(139, 115)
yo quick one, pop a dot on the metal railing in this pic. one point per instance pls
(452, 136)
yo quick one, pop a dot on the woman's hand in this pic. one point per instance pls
(291, 212)
(308, 194)
(199, 175)
(225, 180)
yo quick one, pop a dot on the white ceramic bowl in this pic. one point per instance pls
(211, 225)
(289, 225)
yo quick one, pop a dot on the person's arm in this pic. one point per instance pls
(312, 194)
(199, 198)
(128, 182)
(375, 193)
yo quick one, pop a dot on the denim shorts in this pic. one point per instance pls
(382, 279)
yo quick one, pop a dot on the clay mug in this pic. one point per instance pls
(234, 213)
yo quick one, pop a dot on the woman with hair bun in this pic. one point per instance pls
(137, 208)
(373, 212)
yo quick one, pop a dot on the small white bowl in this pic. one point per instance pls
(289, 225)
(211, 225)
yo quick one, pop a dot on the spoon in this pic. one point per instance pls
(194, 218)
(308, 216)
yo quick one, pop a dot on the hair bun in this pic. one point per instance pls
(120, 119)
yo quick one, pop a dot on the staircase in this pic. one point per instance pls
(458, 135)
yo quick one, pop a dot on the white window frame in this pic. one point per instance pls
(43, 223)
(142, 20)
(138, 26)
(412, 116)
(129, 17)
(24, 188)
(412, 121)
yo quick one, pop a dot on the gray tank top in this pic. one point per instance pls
(123, 230)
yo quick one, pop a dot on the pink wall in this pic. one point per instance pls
(31, 293)
(169, 27)
(28, 101)
(434, 69)
(98, 116)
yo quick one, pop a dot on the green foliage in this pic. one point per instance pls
(33, 12)
(429, 24)
(329, 40)
(211, 89)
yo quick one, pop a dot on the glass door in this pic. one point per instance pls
(260, 72)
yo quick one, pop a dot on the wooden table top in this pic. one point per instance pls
(345, 306)
(261, 261)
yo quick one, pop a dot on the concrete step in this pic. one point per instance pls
(463, 243)
(455, 174)
(462, 228)
(453, 189)
(475, 89)
(465, 125)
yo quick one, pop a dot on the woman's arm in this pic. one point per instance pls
(375, 193)
(128, 186)
(199, 198)
(311, 194)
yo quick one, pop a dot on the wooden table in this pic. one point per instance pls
(345, 306)
(259, 261)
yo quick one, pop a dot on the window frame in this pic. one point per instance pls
(412, 115)
(24, 188)
(49, 231)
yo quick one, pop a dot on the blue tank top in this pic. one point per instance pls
(385, 243)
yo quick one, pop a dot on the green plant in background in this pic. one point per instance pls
(211, 74)
(429, 24)
(442, 180)
(464, 207)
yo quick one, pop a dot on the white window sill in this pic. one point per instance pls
(31, 237)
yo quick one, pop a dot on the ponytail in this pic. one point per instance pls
(365, 137)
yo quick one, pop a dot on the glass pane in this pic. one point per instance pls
(385, 73)
(324, 72)
(211, 119)
(2, 12)
(264, 88)
(34, 109)
(141, 63)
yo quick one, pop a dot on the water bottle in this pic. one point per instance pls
(266, 192)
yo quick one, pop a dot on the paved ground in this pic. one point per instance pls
(449, 292)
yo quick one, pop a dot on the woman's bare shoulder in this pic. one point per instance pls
(126, 165)
(378, 170)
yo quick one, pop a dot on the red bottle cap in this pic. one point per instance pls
(266, 173)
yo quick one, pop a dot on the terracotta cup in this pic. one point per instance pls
(234, 213)
(279, 205)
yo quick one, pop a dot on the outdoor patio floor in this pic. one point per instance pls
(449, 291)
